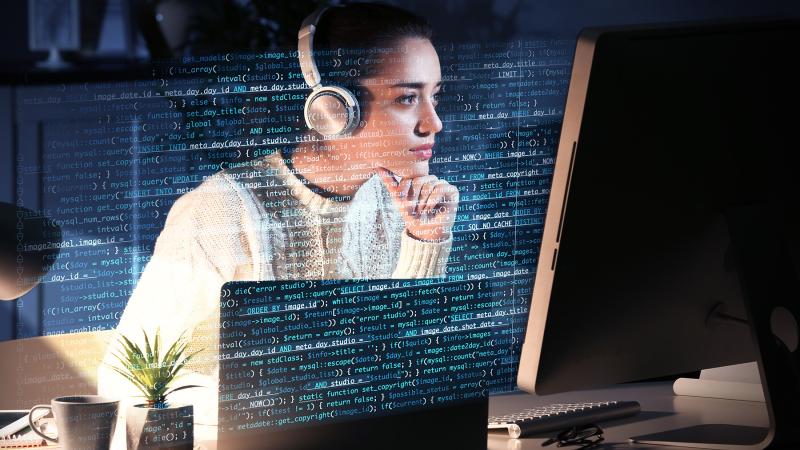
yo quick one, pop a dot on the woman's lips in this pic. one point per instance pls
(423, 152)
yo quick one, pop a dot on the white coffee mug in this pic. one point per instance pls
(85, 422)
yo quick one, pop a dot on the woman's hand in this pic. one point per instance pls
(427, 204)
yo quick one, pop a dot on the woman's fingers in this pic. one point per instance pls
(434, 197)
(426, 203)
(404, 189)
(417, 185)
(425, 196)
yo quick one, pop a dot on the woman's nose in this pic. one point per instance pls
(429, 121)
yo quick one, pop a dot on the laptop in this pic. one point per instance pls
(357, 363)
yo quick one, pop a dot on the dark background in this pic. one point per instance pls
(255, 23)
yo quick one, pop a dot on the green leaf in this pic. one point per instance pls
(182, 387)
(147, 370)
(156, 346)
(148, 350)
(133, 380)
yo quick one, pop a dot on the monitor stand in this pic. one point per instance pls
(738, 382)
(770, 289)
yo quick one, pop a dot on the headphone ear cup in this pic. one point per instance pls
(332, 111)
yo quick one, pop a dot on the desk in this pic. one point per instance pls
(74, 359)
(661, 411)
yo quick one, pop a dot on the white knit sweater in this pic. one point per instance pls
(258, 222)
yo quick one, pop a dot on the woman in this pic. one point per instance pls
(359, 206)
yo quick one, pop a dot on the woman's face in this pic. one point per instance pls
(400, 115)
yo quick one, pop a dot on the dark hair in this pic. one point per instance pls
(368, 25)
(365, 26)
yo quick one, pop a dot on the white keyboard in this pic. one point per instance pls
(560, 416)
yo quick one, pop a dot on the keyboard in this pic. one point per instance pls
(561, 416)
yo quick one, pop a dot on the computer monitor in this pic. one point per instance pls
(671, 239)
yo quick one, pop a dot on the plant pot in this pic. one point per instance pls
(166, 428)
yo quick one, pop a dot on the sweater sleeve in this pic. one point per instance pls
(420, 259)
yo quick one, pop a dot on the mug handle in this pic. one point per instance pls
(33, 426)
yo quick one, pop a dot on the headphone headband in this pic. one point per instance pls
(305, 47)
(331, 110)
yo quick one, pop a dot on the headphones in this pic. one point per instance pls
(332, 111)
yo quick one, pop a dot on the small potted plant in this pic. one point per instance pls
(155, 423)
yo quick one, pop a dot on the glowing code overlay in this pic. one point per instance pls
(305, 352)
(115, 156)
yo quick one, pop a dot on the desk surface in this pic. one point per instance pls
(661, 411)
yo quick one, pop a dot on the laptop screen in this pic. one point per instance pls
(300, 353)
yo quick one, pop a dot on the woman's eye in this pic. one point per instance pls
(407, 99)
(413, 99)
